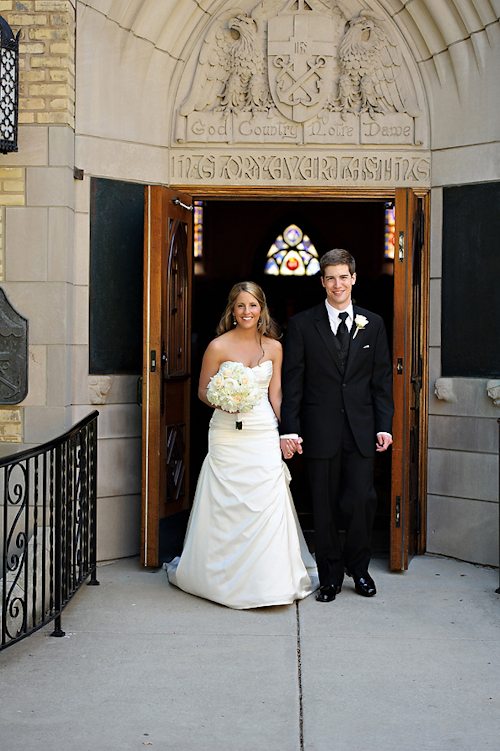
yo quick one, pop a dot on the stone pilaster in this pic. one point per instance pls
(12, 193)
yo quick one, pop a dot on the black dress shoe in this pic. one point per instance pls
(328, 592)
(364, 585)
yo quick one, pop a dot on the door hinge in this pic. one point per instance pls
(401, 246)
(398, 511)
(153, 361)
(399, 366)
(417, 386)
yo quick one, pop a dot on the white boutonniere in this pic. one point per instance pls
(360, 322)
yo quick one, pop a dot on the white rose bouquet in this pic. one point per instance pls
(234, 388)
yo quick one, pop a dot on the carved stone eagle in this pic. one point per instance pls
(372, 78)
(232, 70)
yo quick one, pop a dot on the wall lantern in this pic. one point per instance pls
(9, 87)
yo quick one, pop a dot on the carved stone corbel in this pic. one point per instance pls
(99, 387)
(443, 390)
(493, 391)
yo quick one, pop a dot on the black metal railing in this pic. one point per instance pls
(48, 529)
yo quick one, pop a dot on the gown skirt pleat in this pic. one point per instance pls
(244, 547)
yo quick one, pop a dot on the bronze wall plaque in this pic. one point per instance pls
(13, 353)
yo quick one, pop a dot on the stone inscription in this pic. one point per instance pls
(330, 128)
(299, 169)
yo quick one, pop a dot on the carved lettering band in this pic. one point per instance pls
(300, 169)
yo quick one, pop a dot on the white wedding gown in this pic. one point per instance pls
(244, 547)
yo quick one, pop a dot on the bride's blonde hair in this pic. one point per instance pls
(266, 327)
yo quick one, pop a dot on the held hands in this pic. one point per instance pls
(289, 446)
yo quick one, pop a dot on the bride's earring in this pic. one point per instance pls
(234, 321)
(260, 321)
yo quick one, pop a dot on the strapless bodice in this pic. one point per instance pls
(263, 372)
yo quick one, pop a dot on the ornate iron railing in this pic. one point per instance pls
(48, 529)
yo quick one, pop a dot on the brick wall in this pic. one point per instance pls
(46, 59)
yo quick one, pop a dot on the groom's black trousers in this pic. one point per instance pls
(342, 494)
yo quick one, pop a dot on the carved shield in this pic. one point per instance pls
(301, 51)
(13, 353)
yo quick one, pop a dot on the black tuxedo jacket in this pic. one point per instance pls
(317, 395)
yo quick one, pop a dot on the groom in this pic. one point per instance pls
(337, 408)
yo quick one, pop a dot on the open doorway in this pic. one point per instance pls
(235, 238)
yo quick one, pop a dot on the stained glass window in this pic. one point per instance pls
(198, 229)
(198, 237)
(390, 230)
(292, 254)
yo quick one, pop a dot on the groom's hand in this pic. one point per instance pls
(289, 446)
(384, 440)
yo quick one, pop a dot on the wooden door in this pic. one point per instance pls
(410, 342)
(166, 362)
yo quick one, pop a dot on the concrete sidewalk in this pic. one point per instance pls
(146, 665)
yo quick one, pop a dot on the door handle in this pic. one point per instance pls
(178, 202)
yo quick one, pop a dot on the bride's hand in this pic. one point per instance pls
(287, 447)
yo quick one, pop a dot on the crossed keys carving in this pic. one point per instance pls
(287, 96)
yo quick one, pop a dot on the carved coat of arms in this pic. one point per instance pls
(290, 62)
(301, 51)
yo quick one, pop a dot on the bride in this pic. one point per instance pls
(244, 547)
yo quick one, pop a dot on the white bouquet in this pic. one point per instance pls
(234, 388)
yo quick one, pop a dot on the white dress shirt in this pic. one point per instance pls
(333, 316)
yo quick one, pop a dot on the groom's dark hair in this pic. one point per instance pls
(336, 257)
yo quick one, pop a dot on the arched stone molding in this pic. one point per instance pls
(430, 27)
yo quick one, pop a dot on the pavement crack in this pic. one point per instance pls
(299, 679)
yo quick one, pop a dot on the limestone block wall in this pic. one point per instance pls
(463, 435)
(46, 277)
(457, 46)
(462, 503)
(44, 267)
(121, 122)
(120, 429)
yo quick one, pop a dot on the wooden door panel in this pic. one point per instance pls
(176, 467)
(410, 379)
(166, 361)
